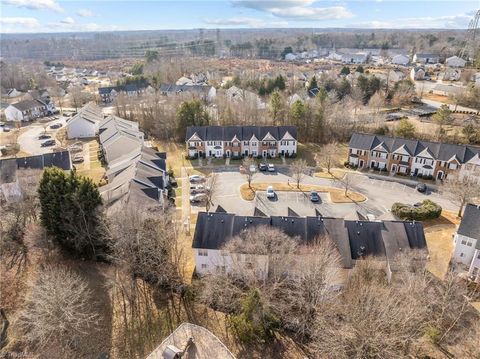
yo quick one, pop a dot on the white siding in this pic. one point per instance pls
(464, 249)
(81, 128)
(13, 114)
(474, 270)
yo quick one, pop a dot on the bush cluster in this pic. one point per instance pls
(428, 210)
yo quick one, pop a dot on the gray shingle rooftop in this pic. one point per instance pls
(470, 224)
(227, 133)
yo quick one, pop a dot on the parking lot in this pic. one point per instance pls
(29, 141)
(381, 195)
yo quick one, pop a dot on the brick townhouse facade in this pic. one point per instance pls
(239, 141)
(413, 157)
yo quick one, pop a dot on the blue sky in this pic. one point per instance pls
(106, 15)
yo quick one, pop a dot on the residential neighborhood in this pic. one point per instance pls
(237, 179)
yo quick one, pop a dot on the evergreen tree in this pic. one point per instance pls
(345, 71)
(280, 83)
(191, 113)
(297, 113)
(360, 69)
(405, 129)
(312, 85)
(442, 117)
(276, 106)
(70, 212)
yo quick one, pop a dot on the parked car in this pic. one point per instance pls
(421, 187)
(253, 169)
(241, 169)
(271, 167)
(6, 129)
(77, 159)
(196, 178)
(197, 189)
(55, 126)
(314, 197)
(418, 204)
(270, 192)
(44, 137)
(197, 198)
(262, 167)
(76, 147)
(48, 143)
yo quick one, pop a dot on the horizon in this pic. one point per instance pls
(64, 17)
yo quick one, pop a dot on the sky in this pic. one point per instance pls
(37, 16)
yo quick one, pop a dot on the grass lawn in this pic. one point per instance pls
(175, 155)
(335, 174)
(438, 233)
(336, 195)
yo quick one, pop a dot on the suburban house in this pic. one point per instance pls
(238, 95)
(44, 97)
(417, 73)
(85, 123)
(108, 94)
(395, 76)
(400, 60)
(455, 61)
(26, 110)
(466, 242)
(203, 92)
(236, 141)
(452, 74)
(333, 55)
(358, 58)
(354, 240)
(404, 156)
(13, 93)
(426, 58)
(290, 57)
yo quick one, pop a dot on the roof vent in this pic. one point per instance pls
(358, 233)
(293, 221)
(251, 221)
(223, 221)
(361, 224)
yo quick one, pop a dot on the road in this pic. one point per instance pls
(381, 196)
(29, 141)
(437, 104)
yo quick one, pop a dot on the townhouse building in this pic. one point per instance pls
(239, 141)
(466, 242)
(412, 157)
(354, 240)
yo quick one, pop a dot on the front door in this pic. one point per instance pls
(415, 172)
(372, 164)
(360, 164)
(394, 168)
(440, 175)
(264, 154)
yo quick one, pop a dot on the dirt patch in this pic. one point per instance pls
(336, 195)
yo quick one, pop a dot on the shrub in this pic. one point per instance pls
(428, 210)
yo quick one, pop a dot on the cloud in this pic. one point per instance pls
(84, 13)
(240, 21)
(36, 4)
(426, 22)
(29, 22)
(68, 20)
(300, 10)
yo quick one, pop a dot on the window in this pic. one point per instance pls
(254, 144)
(464, 241)
(478, 257)
(203, 252)
(245, 143)
(469, 244)
(452, 166)
(223, 253)
(461, 254)
(204, 266)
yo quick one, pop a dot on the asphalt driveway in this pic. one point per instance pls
(29, 141)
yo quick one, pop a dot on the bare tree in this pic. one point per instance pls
(211, 187)
(77, 97)
(298, 170)
(250, 169)
(57, 310)
(377, 101)
(348, 181)
(461, 190)
(328, 156)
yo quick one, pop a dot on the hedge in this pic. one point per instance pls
(428, 210)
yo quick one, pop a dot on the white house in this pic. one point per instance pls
(467, 242)
(455, 61)
(25, 110)
(452, 75)
(426, 58)
(358, 58)
(13, 93)
(333, 55)
(417, 73)
(400, 60)
(290, 57)
(85, 123)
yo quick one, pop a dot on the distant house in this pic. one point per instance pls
(400, 60)
(290, 57)
(358, 58)
(26, 110)
(204, 92)
(426, 58)
(455, 61)
(396, 76)
(108, 94)
(85, 123)
(238, 95)
(13, 93)
(447, 90)
(466, 242)
(354, 240)
(417, 73)
(333, 55)
(452, 74)
(294, 98)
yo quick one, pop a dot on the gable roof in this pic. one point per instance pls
(440, 151)
(54, 159)
(353, 239)
(243, 133)
(27, 105)
(470, 224)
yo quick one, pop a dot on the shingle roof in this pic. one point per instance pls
(440, 151)
(226, 133)
(27, 105)
(470, 224)
(353, 239)
(172, 88)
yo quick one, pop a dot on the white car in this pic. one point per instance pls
(253, 168)
(270, 192)
(271, 167)
(198, 198)
(196, 178)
